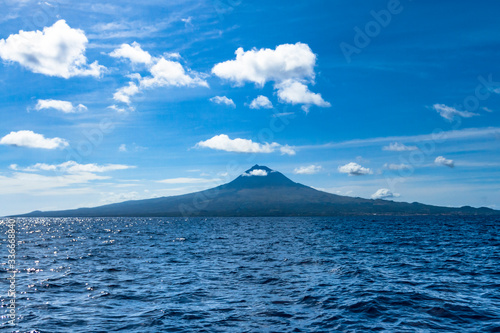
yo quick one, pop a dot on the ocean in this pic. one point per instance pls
(338, 274)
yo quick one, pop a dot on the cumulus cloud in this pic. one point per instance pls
(289, 66)
(164, 72)
(31, 139)
(354, 169)
(255, 172)
(448, 112)
(401, 166)
(123, 94)
(187, 180)
(287, 61)
(134, 53)
(384, 193)
(261, 102)
(440, 160)
(171, 73)
(122, 148)
(223, 100)
(63, 106)
(224, 143)
(307, 170)
(295, 92)
(396, 146)
(58, 51)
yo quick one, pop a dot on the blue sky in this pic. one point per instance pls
(107, 101)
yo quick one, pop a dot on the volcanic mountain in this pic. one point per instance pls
(260, 191)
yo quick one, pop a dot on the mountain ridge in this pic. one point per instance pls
(260, 191)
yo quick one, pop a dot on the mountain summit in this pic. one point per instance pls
(261, 176)
(261, 191)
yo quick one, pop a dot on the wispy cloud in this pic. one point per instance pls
(437, 136)
(73, 167)
(188, 180)
(401, 166)
(448, 112)
(40, 177)
(307, 170)
(396, 146)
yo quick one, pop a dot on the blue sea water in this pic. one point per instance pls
(387, 274)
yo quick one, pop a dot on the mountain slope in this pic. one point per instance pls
(261, 191)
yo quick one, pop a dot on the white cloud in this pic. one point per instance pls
(255, 172)
(295, 92)
(223, 100)
(287, 150)
(171, 73)
(73, 167)
(164, 73)
(112, 197)
(122, 148)
(401, 166)
(307, 170)
(123, 94)
(354, 169)
(58, 50)
(290, 66)
(396, 146)
(119, 109)
(440, 160)
(464, 134)
(35, 184)
(133, 52)
(287, 61)
(32, 140)
(188, 22)
(223, 142)
(449, 112)
(187, 180)
(63, 106)
(384, 193)
(70, 173)
(261, 102)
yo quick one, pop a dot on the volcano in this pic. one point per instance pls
(260, 191)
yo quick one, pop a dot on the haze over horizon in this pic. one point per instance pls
(103, 102)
